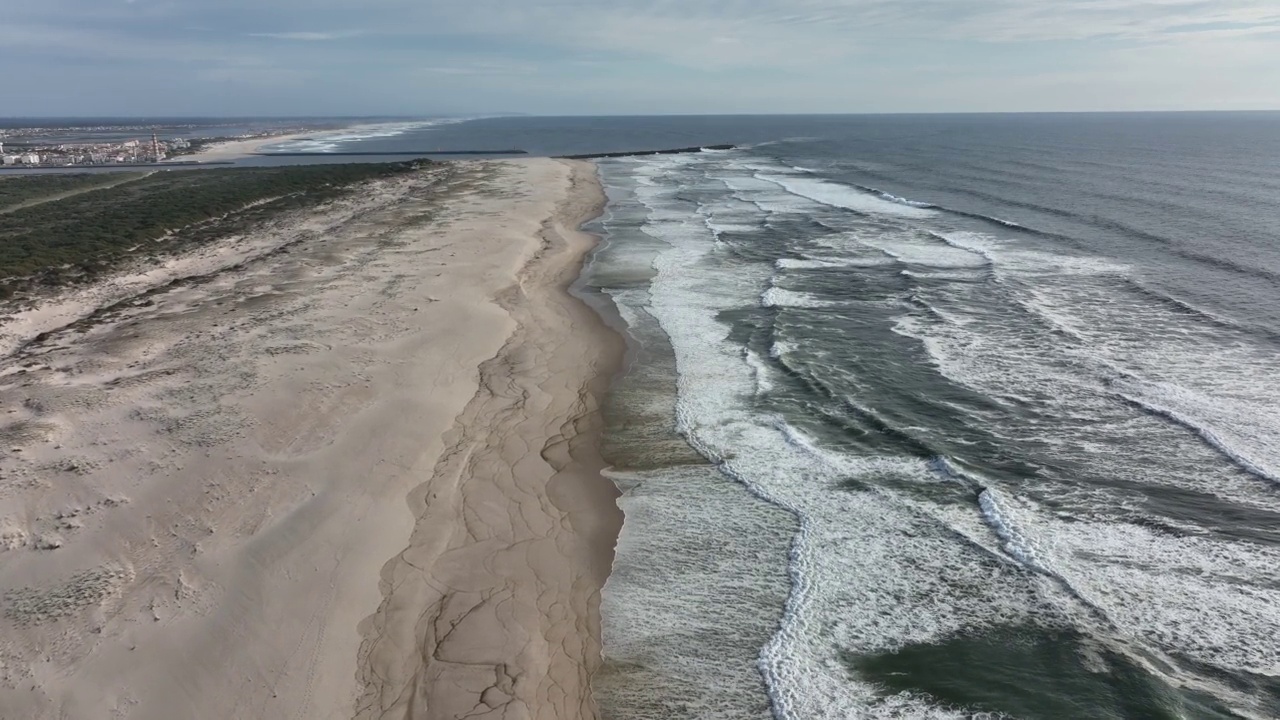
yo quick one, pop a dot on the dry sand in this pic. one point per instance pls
(203, 489)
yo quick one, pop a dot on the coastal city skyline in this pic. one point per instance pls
(574, 57)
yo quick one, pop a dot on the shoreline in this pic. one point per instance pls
(231, 150)
(205, 503)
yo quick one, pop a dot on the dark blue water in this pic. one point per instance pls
(986, 408)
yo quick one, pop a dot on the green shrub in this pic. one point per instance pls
(95, 230)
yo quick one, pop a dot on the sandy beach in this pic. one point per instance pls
(236, 149)
(343, 467)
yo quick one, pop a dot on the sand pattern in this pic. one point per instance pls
(492, 610)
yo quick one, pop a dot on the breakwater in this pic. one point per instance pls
(638, 153)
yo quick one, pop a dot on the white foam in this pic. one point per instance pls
(1199, 597)
(778, 297)
(849, 241)
(720, 227)
(1209, 379)
(843, 196)
(763, 373)
(959, 274)
(1016, 544)
(808, 264)
(904, 201)
(1138, 591)
(744, 183)
(1014, 256)
(976, 243)
(1094, 380)
(1052, 316)
(919, 249)
(1232, 428)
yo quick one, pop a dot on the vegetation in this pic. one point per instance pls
(79, 237)
(19, 189)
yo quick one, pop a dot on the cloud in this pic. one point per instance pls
(666, 55)
(303, 36)
(479, 68)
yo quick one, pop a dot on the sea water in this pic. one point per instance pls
(984, 416)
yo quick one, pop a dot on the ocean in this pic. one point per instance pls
(939, 416)
(970, 416)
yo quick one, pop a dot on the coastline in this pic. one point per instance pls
(238, 149)
(205, 504)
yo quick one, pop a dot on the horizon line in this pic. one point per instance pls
(493, 115)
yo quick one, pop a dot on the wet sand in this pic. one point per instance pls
(347, 467)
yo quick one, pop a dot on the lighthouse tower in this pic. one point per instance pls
(155, 148)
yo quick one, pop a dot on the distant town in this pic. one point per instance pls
(126, 152)
(74, 144)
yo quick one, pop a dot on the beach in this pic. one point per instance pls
(236, 149)
(345, 465)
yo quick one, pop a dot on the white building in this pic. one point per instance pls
(9, 159)
(31, 159)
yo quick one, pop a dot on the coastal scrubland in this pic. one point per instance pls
(77, 238)
(19, 190)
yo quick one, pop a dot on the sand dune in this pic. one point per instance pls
(203, 491)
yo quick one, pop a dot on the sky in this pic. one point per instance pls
(571, 57)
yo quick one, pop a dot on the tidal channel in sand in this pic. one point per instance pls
(203, 490)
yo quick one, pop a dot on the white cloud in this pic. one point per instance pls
(304, 36)
(973, 19)
(740, 55)
(479, 68)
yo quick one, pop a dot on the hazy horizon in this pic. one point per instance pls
(481, 116)
(287, 58)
